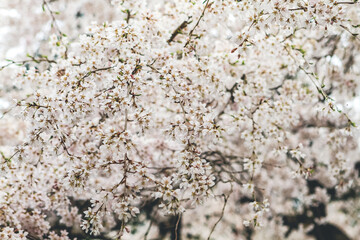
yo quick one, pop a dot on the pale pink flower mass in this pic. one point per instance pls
(179, 119)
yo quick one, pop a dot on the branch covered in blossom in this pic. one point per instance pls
(181, 119)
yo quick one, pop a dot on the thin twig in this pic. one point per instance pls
(197, 23)
(177, 31)
(353, 2)
(33, 59)
(221, 216)
(148, 230)
(355, 35)
(53, 19)
(177, 227)
(91, 72)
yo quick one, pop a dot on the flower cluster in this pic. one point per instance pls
(169, 108)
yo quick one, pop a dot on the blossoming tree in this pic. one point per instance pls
(180, 120)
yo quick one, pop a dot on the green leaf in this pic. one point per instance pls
(352, 123)
(234, 63)
(301, 50)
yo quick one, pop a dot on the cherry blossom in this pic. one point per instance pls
(179, 119)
